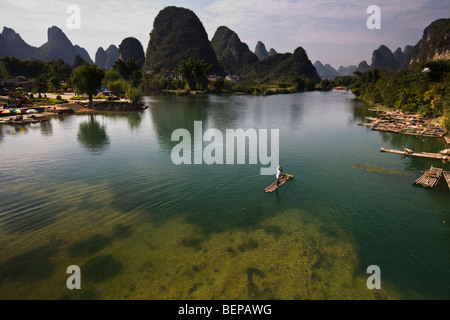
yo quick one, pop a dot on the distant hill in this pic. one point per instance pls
(106, 59)
(17, 46)
(284, 67)
(232, 54)
(326, 71)
(347, 71)
(177, 35)
(83, 54)
(261, 51)
(363, 66)
(4, 47)
(131, 48)
(59, 46)
(383, 58)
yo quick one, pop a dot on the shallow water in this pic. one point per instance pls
(101, 192)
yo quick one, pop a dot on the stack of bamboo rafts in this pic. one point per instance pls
(430, 178)
(409, 124)
(447, 177)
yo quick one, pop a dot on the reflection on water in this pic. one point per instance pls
(175, 114)
(46, 128)
(133, 118)
(92, 135)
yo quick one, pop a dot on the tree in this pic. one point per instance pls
(87, 79)
(128, 68)
(299, 84)
(194, 73)
(55, 84)
(78, 61)
(59, 69)
(118, 87)
(40, 84)
(134, 95)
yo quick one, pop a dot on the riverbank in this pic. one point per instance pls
(82, 106)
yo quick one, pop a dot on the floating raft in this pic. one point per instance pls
(430, 178)
(415, 154)
(447, 177)
(274, 186)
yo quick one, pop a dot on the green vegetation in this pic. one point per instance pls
(194, 74)
(47, 101)
(87, 79)
(40, 85)
(424, 88)
(284, 67)
(14, 67)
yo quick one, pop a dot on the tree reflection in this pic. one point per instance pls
(92, 136)
(46, 128)
(134, 120)
(1, 134)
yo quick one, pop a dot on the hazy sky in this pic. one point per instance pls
(331, 31)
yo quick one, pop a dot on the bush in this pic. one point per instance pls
(134, 95)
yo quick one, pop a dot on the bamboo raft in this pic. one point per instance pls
(408, 124)
(447, 177)
(274, 186)
(430, 178)
(416, 154)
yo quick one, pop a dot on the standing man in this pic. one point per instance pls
(279, 175)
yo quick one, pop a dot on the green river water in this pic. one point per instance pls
(101, 192)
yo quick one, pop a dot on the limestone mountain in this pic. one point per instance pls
(177, 35)
(284, 67)
(434, 45)
(131, 48)
(347, 71)
(363, 66)
(398, 54)
(326, 71)
(4, 47)
(106, 59)
(17, 46)
(232, 54)
(83, 54)
(261, 51)
(100, 58)
(383, 58)
(59, 46)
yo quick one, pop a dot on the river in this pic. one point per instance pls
(103, 193)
